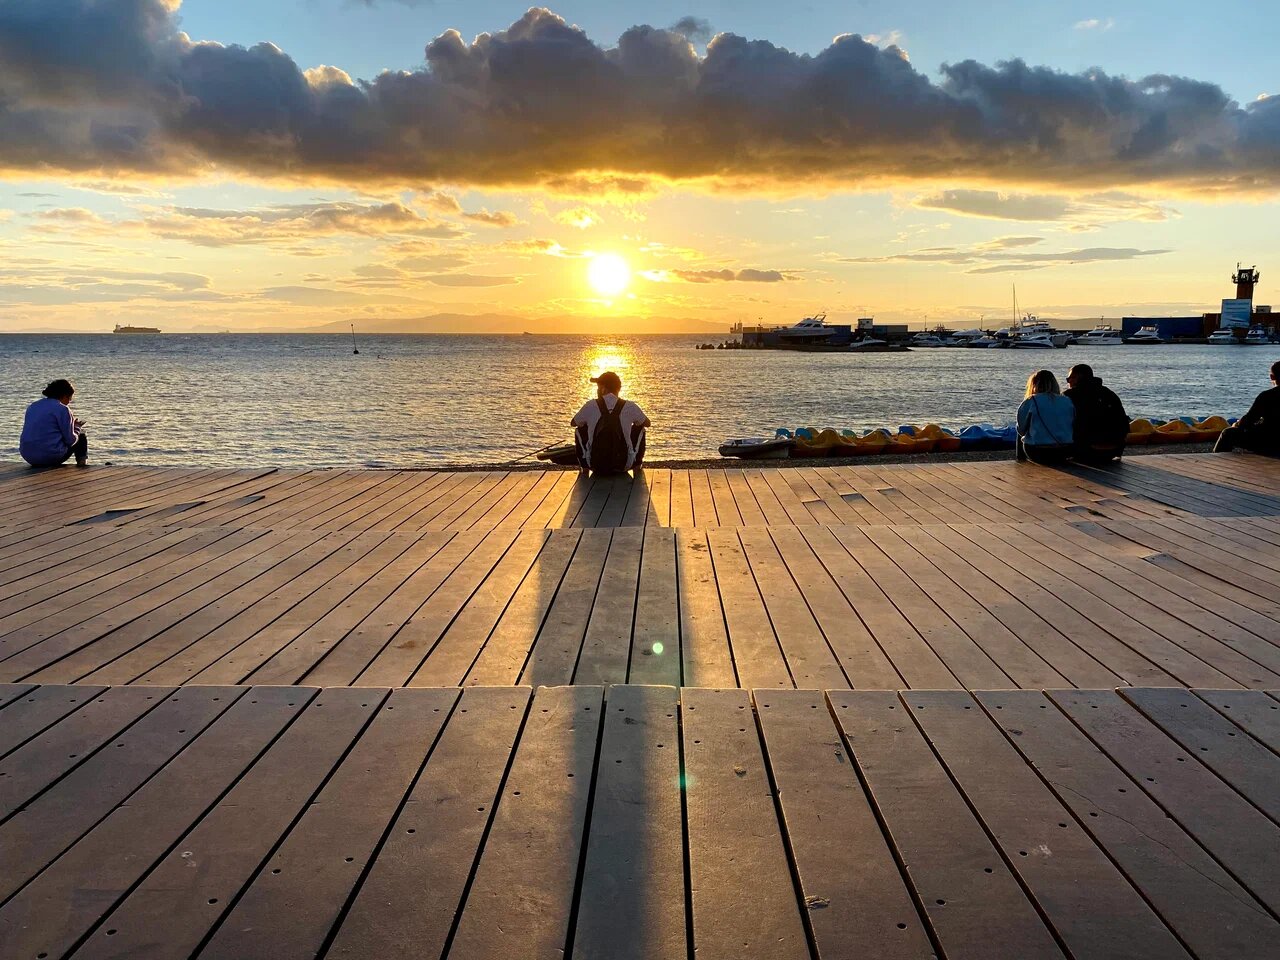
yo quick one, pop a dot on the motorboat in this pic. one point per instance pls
(1032, 328)
(926, 340)
(1223, 335)
(1033, 341)
(1146, 336)
(987, 341)
(962, 338)
(1257, 337)
(810, 329)
(1103, 335)
(758, 448)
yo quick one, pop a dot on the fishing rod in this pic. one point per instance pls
(534, 453)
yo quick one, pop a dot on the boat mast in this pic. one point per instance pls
(354, 348)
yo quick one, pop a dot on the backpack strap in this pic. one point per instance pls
(604, 408)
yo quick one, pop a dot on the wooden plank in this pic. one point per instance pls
(766, 500)
(972, 665)
(744, 499)
(169, 910)
(636, 512)
(864, 662)
(1013, 610)
(1216, 742)
(1201, 902)
(554, 655)
(1089, 902)
(704, 509)
(810, 659)
(299, 893)
(53, 912)
(1237, 835)
(632, 904)
(1019, 662)
(726, 508)
(741, 895)
(757, 658)
(607, 643)
(397, 661)
(506, 651)
(706, 659)
(452, 658)
(1251, 710)
(655, 656)
(270, 622)
(348, 659)
(521, 897)
(913, 658)
(858, 903)
(622, 490)
(40, 709)
(47, 826)
(9, 692)
(681, 499)
(1152, 664)
(430, 847)
(973, 902)
(46, 758)
(659, 498)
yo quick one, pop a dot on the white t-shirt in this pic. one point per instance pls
(631, 416)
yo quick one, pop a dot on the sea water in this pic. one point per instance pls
(307, 400)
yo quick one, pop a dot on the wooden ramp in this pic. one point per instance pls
(967, 710)
(637, 822)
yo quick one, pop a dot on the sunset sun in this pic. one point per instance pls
(608, 274)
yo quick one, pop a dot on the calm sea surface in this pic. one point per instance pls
(305, 400)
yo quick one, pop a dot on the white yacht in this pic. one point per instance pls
(1257, 337)
(1038, 340)
(1145, 336)
(926, 340)
(810, 328)
(987, 341)
(1223, 335)
(1103, 335)
(1030, 328)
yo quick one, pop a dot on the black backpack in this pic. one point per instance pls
(608, 444)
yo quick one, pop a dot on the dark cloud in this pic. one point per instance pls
(112, 86)
(694, 29)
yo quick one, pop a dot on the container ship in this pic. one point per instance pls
(121, 329)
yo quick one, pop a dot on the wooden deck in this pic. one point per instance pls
(273, 822)
(1165, 572)
(980, 710)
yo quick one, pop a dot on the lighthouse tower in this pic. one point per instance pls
(1245, 280)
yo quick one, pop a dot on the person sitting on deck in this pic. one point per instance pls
(1258, 430)
(50, 434)
(1101, 424)
(609, 431)
(1046, 421)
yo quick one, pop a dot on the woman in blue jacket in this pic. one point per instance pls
(50, 434)
(1046, 421)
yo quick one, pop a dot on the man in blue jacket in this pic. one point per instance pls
(50, 434)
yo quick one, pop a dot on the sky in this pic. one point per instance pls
(598, 166)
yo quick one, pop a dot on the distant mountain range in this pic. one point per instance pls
(505, 323)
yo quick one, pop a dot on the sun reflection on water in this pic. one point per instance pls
(621, 359)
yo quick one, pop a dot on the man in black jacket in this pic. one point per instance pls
(1259, 429)
(1101, 423)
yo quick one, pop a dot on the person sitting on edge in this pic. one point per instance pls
(1101, 424)
(1046, 421)
(50, 434)
(1258, 430)
(609, 431)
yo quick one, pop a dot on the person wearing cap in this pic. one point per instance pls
(50, 434)
(1101, 424)
(630, 417)
(1258, 430)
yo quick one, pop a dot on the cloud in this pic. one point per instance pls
(579, 217)
(42, 282)
(714, 276)
(1094, 24)
(1087, 211)
(693, 29)
(470, 280)
(1003, 255)
(291, 223)
(499, 218)
(114, 88)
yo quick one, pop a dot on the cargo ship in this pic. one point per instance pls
(120, 329)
